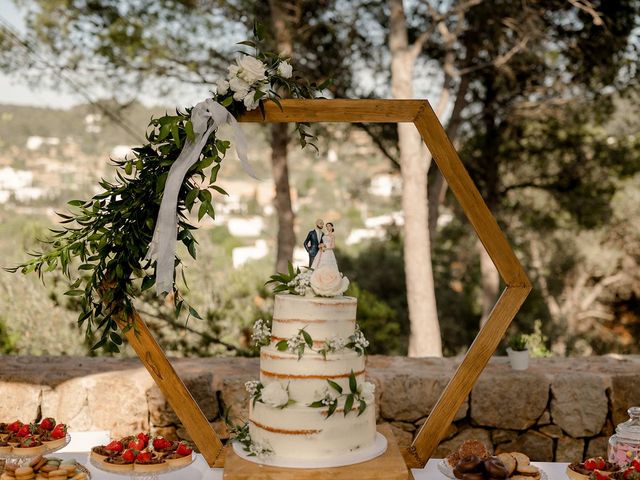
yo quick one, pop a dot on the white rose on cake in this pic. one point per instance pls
(367, 391)
(327, 281)
(251, 69)
(275, 395)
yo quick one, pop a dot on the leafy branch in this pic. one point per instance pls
(102, 244)
(331, 399)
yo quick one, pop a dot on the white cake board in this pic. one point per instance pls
(360, 455)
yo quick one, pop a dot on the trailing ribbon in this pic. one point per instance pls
(206, 117)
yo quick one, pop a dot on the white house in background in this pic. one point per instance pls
(13, 180)
(394, 218)
(92, 123)
(385, 185)
(35, 142)
(245, 226)
(120, 152)
(242, 255)
(358, 235)
(29, 193)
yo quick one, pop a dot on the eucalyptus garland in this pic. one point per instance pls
(109, 234)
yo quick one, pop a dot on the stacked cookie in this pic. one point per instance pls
(41, 468)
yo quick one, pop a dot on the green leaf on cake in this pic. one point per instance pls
(362, 407)
(348, 404)
(282, 345)
(332, 408)
(335, 386)
(316, 404)
(353, 386)
(307, 338)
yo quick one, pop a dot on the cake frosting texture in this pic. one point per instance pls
(319, 375)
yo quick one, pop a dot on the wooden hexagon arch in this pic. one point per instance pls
(517, 288)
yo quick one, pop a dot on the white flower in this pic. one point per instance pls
(336, 343)
(261, 333)
(327, 281)
(275, 395)
(250, 102)
(251, 70)
(367, 391)
(252, 387)
(222, 87)
(240, 87)
(285, 70)
(233, 70)
(294, 342)
(260, 449)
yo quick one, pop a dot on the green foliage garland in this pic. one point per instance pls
(110, 233)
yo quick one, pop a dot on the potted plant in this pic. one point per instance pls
(518, 352)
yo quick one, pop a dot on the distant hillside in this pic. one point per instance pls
(91, 129)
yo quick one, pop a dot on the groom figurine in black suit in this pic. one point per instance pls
(313, 240)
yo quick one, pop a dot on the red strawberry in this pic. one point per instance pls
(115, 446)
(48, 424)
(636, 464)
(129, 455)
(137, 444)
(24, 431)
(627, 473)
(60, 431)
(161, 443)
(15, 426)
(144, 457)
(590, 464)
(144, 437)
(183, 450)
(601, 476)
(601, 463)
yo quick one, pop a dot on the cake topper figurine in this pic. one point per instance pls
(313, 242)
(326, 255)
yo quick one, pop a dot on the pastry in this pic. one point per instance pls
(509, 462)
(29, 447)
(5, 448)
(100, 453)
(583, 471)
(147, 462)
(119, 463)
(55, 438)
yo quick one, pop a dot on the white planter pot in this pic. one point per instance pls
(519, 359)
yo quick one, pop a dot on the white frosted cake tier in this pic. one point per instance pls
(308, 376)
(322, 318)
(303, 432)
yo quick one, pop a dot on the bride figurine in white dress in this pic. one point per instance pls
(326, 256)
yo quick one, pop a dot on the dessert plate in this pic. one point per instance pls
(143, 475)
(15, 454)
(447, 471)
(358, 456)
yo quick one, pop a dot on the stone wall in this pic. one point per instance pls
(559, 409)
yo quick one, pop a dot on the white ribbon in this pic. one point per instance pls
(206, 117)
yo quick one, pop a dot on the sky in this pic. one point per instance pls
(15, 91)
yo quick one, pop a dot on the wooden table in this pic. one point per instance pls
(201, 471)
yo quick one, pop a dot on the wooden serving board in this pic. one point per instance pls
(388, 466)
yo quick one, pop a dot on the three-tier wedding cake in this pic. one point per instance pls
(312, 401)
